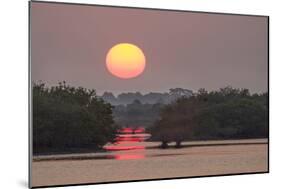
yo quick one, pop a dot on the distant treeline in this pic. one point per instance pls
(135, 109)
(150, 98)
(136, 114)
(225, 114)
(69, 119)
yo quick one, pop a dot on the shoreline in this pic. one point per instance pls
(148, 146)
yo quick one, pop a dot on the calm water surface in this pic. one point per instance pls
(134, 160)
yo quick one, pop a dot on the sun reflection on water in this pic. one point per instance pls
(130, 142)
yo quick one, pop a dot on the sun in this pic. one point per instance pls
(125, 61)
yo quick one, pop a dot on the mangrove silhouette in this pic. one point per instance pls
(218, 115)
(69, 119)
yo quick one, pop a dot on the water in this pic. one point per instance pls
(144, 161)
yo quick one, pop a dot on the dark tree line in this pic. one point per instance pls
(149, 98)
(73, 119)
(136, 114)
(67, 118)
(225, 114)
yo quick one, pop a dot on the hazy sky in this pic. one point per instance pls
(182, 49)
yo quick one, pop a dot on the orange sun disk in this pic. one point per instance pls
(125, 61)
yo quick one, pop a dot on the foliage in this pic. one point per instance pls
(149, 98)
(136, 114)
(67, 118)
(135, 109)
(225, 114)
